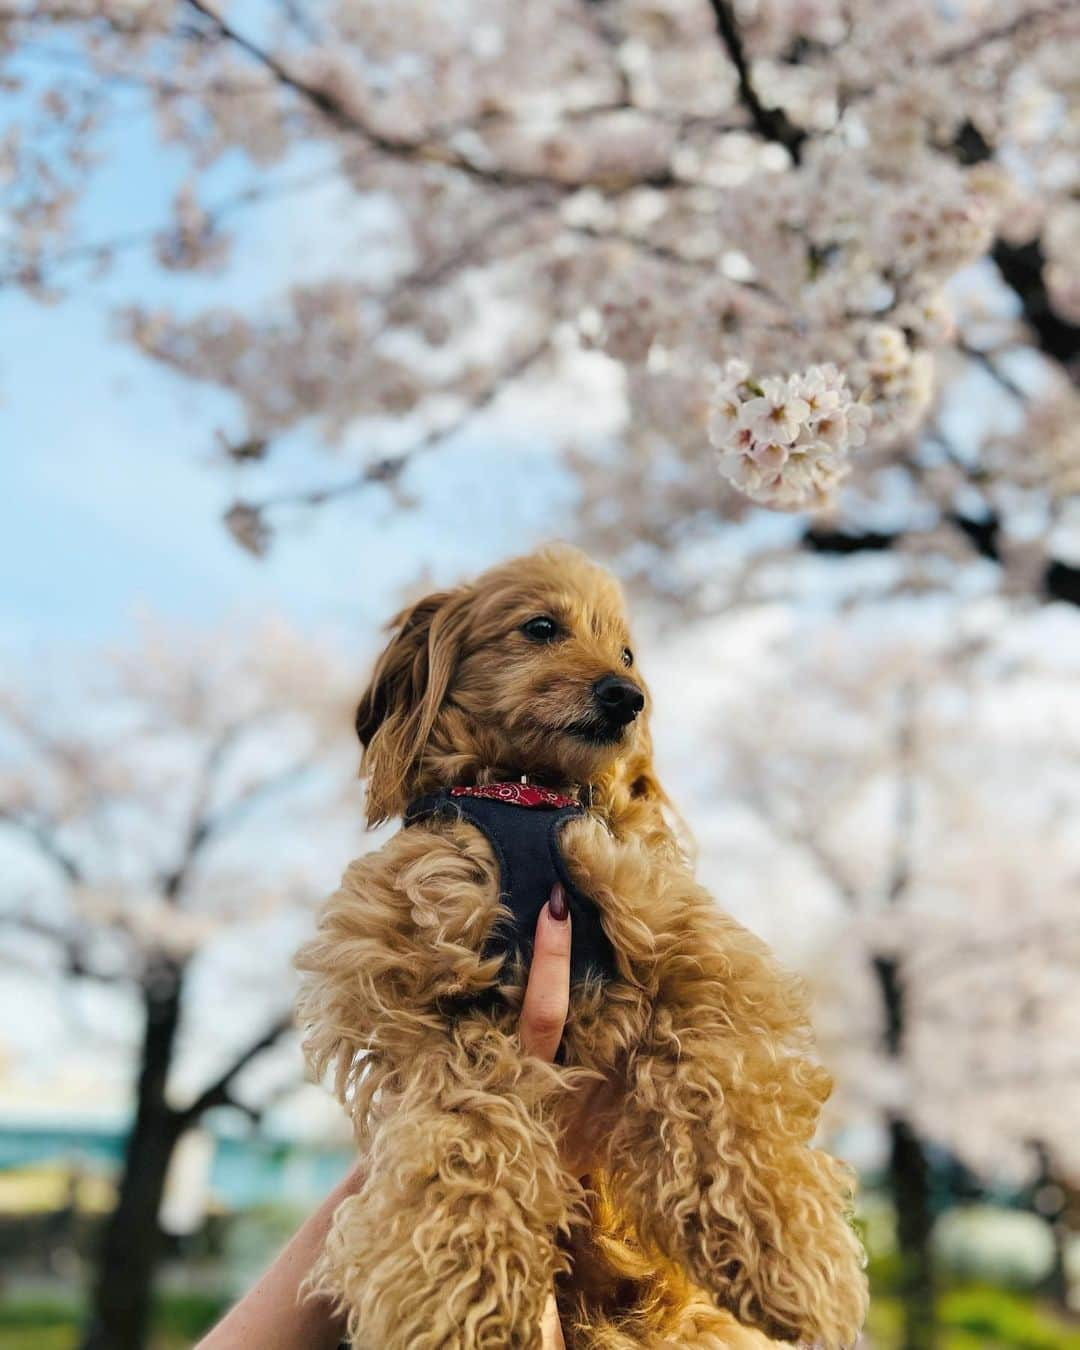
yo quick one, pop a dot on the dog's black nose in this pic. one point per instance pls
(619, 700)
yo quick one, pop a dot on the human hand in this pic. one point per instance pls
(543, 1016)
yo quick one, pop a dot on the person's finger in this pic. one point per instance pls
(551, 1337)
(547, 994)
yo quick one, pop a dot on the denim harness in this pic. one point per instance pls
(522, 825)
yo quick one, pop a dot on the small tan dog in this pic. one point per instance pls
(685, 1087)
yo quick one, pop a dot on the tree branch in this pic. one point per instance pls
(803, 836)
(960, 51)
(201, 827)
(43, 835)
(1021, 268)
(986, 361)
(75, 962)
(206, 826)
(1053, 934)
(35, 267)
(247, 521)
(773, 123)
(219, 1092)
(301, 20)
(899, 870)
(430, 152)
(1059, 581)
(74, 61)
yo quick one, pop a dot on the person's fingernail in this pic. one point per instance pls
(557, 906)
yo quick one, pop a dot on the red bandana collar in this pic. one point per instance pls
(520, 794)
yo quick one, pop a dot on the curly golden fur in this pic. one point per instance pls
(689, 1080)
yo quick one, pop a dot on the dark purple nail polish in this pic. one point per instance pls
(557, 907)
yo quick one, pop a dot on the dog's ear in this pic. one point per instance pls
(400, 674)
(398, 709)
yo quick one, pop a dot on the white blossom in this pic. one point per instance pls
(783, 442)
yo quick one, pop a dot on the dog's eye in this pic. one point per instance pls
(627, 657)
(540, 629)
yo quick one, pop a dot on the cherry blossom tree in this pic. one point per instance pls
(818, 262)
(921, 784)
(134, 807)
(824, 253)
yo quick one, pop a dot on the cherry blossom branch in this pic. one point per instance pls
(206, 827)
(899, 872)
(668, 117)
(592, 14)
(986, 360)
(426, 151)
(1047, 934)
(43, 835)
(219, 1092)
(960, 51)
(1002, 32)
(804, 837)
(773, 123)
(471, 249)
(201, 827)
(662, 252)
(247, 523)
(301, 20)
(1021, 268)
(1059, 580)
(74, 952)
(72, 60)
(36, 267)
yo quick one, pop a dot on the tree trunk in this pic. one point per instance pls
(130, 1245)
(909, 1181)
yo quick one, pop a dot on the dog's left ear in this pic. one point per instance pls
(399, 707)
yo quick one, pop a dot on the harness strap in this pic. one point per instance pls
(524, 836)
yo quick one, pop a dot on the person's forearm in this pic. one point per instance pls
(274, 1315)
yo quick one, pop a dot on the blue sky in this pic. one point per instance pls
(113, 500)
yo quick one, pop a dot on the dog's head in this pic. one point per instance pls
(527, 670)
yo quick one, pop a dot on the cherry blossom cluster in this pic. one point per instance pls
(896, 377)
(886, 190)
(784, 442)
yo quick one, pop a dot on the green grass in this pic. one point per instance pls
(996, 1316)
(53, 1324)
(979, 1317)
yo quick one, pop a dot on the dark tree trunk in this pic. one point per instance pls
(130, 1245)
(909, 1181)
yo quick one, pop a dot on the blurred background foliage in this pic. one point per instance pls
(311, 305)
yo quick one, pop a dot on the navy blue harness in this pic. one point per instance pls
(524, 836)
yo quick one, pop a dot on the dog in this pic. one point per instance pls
(686, 1070)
